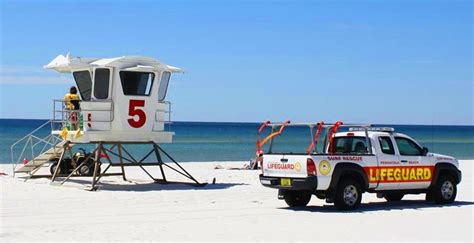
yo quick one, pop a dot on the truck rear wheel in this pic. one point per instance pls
(393, 196)
(444, 191)
(348, 194)
(297, 198)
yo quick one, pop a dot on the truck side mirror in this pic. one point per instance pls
(425, 151)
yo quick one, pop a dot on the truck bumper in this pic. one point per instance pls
(308, 183)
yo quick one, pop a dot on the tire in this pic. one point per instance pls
(297, 198)
(87, 170)
(445, 190)
(348, 194)
(52, 168)
(393, 196)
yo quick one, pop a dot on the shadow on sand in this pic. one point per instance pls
(132, 186)
(381, 206)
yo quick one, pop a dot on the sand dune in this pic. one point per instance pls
(237, 207)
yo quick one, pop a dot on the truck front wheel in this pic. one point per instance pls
(348, 194)
(297, 198)
(444, 191)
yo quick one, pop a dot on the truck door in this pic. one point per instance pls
(386, 174)
(417, 169)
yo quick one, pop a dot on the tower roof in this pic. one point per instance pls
(67, 64)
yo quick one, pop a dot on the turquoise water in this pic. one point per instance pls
(198, 141)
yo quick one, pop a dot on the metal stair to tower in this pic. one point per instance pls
(38, 148)
(40, 160)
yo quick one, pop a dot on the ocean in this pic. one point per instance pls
(217, 141)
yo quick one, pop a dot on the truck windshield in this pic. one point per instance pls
(350, 145)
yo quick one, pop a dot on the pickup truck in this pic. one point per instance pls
(360, 159)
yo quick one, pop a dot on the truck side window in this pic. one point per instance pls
(386, 145)
(408, 147)
(350, 145)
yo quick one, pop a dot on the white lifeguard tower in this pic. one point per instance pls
(122, 102)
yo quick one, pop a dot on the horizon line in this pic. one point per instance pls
(252, 122)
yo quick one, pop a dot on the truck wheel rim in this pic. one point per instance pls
(350, 195)
(447, 190)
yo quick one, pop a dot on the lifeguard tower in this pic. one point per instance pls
(122, 102)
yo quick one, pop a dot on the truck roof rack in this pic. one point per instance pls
(373, 129)
(313, 124)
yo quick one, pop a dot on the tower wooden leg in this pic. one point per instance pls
(121, 161)
(160, 161)
(61, 158)
(74, 162)
(96, 166)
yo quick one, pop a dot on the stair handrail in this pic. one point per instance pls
(31, 133)
(26, 137)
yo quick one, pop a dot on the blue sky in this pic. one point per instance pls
(397, 62)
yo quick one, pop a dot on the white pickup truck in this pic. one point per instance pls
(360, 159)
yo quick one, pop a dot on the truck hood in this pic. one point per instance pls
(444, 158)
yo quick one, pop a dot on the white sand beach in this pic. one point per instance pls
(236, 208)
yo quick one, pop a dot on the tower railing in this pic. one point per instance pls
(168, 112)
(61, 114)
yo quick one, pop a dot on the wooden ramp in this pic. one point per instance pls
(53, 152)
